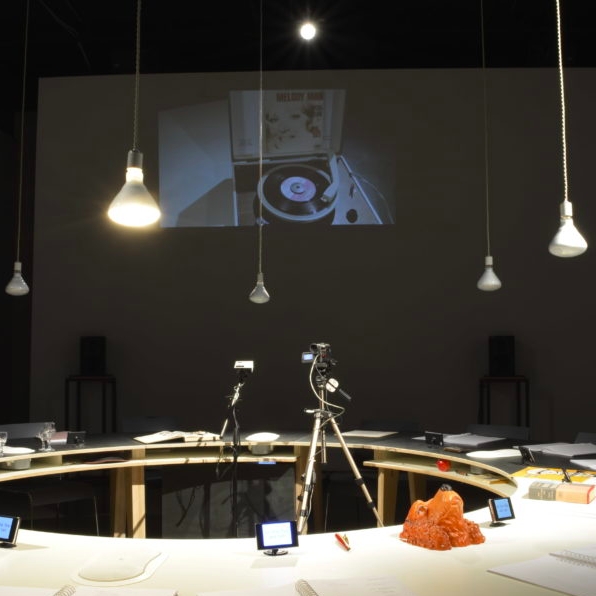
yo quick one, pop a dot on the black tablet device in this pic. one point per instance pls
(527, 455)
(433, 439)
(276, 535)
(9, 528)
(76, 437)
(500, 510)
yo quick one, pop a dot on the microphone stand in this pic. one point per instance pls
(235, 451)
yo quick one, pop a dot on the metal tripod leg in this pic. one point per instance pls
(357, 476)
(308, 482)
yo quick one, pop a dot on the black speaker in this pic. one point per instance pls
(501, 356)
(93, 356)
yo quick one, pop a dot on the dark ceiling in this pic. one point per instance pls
(85, 37)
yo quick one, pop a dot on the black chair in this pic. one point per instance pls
(30, 498)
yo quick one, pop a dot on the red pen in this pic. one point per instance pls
(343, 540)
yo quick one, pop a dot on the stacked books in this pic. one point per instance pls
(562, 491)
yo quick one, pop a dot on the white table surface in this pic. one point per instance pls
(203, 565)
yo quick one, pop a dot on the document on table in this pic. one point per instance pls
(349, 586)
(470, 440)
(71, 590)
(570, 571)
(584, 464)
(570, 449)
(466, 440)
(353, 586)
(564, 449)
(370, 434)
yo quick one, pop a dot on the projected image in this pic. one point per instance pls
(220, 167)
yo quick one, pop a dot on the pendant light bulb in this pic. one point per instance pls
(259, 295)
(134, 206)
(568, 242)
(17, 286)
(489, 282)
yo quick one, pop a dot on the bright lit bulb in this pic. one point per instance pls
(568, 242)
(307, 30)
(134, 206)
(489, 282)
(17, 286)
(259, 295)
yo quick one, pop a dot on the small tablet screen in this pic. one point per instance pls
(278, 534)
(9, 526)
(501, 509)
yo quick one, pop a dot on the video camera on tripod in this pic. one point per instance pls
(321, 362)
(320, 354)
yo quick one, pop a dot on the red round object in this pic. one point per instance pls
(444, 465)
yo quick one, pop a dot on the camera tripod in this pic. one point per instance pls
(322, 418)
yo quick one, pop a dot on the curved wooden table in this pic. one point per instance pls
(127, 460)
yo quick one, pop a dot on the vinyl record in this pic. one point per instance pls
(296, 192)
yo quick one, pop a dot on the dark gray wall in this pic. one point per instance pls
(398, 304)
(15, 317)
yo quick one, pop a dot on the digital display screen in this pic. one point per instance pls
(8, 528)
(501, 509)
(276, 534)
(307, 356)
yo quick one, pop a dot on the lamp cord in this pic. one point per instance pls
(137, 77)
(562, 90)
(260, 229)
(486, 183)
(22, 133)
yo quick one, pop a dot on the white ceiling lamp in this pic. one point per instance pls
(134, 206)
(259, 295)
(488, 282)
(568, 242)
(17, 285)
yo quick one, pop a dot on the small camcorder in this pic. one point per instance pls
(321, 351)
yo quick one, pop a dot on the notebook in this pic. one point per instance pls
(571, 571)
(70, 590)
(352, 586)
(349, 586)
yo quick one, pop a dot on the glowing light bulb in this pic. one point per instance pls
(307, 31)
(134, 206)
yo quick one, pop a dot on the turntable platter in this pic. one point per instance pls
(295, 192)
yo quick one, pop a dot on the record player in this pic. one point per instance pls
(302, 177)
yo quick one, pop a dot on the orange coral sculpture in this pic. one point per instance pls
(439, 524)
